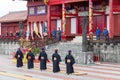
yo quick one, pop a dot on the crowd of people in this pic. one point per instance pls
(56, 59)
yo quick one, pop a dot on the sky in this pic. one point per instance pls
(7, 6)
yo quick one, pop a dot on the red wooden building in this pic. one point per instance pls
(68, 15)
(10, 22)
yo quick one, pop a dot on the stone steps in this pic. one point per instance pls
(63, 48)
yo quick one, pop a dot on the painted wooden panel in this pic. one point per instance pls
(116, 31)
(3, 30)
(80, 25)
(97, 22)
(53, 24)
(37, 18)
(67, 28)
(116, 5)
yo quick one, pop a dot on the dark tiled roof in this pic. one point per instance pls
(14, 16)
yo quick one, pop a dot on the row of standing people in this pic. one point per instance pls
(105, 34)
(56, 59)
(57, 34)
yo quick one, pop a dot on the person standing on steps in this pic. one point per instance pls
(69, 61)
(43, 59)
(56, 59)
(30, 57)
(19, 57)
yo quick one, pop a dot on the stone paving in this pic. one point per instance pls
(98, 71)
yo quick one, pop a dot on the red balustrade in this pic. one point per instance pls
(52, 2)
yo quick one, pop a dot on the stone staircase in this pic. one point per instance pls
(77, 39)
(63, 48)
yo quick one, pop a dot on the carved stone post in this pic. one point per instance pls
(84, 34)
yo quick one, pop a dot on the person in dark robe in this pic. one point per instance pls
(56, 59)
(30, 57)
(17, 34)
(59, 34)
(43, 59)
(69, 61)
(19, 57)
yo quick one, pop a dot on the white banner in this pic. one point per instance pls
(27, 32)
(40, 30)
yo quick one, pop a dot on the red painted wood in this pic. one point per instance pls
(68, 21)
(116, 25)
(56, 12)
(111, 18)
(53, 25)
(104, 20)
(54, 2)
(80, 25)
(11, 27)
(116, 5)
(37, 18)
(49, 21)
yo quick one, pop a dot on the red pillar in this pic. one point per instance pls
(104, 20)
(90, 18)
(49, 21)
(63, 18)
(111, 18)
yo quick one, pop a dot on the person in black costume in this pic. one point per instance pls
(30, 57)
(43, 59)
(56, 59)
(69, 61)
(19, 57)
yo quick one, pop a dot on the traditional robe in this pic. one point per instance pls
(56, 59)
(19, 57)
(30, 57)
(43, 59)
(69, 61)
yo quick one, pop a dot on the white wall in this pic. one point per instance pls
(73, 25)
(58, 24)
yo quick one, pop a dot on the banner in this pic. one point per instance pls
(40, 30)
(36, 29)
(27, 32)
(31, 30)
